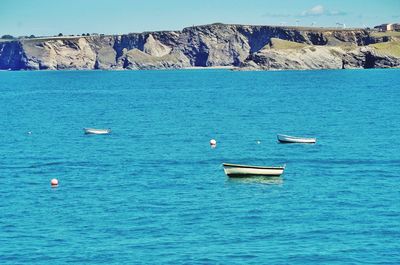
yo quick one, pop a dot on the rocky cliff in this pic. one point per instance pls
(247, 47)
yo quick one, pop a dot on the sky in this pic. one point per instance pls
(50, 17)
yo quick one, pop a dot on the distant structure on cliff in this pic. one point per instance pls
(388, 27)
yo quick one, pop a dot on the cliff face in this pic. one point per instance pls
(12, 56)
(287, 55)
(210, 45)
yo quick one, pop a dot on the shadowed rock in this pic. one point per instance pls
(250, 47)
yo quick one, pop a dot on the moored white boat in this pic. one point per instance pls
(293, 139)
(96, 131)
(234, 170)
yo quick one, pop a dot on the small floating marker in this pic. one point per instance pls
(258, 142)
(213, 142)
(29, 132)
(54, 182)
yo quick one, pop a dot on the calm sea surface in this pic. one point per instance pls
(154, 192)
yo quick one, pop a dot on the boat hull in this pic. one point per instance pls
(292, 139)
(96, 131)
(240, 171)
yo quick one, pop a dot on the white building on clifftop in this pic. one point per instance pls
(388, 27)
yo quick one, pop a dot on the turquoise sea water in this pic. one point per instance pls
(154, 192)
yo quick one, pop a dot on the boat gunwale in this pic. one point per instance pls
(295, 137)
(249, 166)
(240, 175)
(95, 129)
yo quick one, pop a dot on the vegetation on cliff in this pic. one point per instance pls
(249, 47)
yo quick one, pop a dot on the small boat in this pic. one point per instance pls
(96, 131)
(292, 139)
(237, 171)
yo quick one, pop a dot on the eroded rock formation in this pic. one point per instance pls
(248, 47)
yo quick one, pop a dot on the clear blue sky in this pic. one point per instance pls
(49, 17)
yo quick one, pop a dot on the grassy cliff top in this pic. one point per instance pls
(280, 44)
(385, 34)
(391, 48)
(298, 28)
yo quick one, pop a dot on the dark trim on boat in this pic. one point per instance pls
(295, 138)
(247, 166)
(293, 142)
(251, 175)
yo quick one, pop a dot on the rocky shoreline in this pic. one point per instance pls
(240, 47)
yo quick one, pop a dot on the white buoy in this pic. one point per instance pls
(54, 182)
(29, 132)
(213, 142)
(258, 142)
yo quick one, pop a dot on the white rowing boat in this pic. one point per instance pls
(234, 170)
(96, 131)
(293, 139)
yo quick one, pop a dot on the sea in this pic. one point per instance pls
(154, 192)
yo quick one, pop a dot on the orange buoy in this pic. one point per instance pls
(54, 182)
